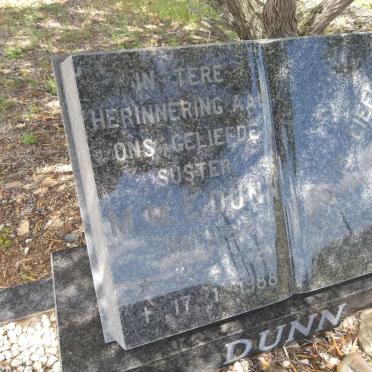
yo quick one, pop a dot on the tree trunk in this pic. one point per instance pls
(322, 15)
(255, 19)
(279, 18)
(242, 16)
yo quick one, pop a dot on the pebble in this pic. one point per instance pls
(365, 332)
(238, 367)
(27, 250)
(7, 355)
(354, 362)
(285, 363)
(264, 363)
(12, 336)
(13, 185)
(71, 237)
(49, 182)
(38, 366)
(18, 330)
(23, 228)
(52, 359)
(15, 350)
(16, 363)
(10, 326)
(28, 241)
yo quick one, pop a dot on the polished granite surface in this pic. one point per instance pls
(217, 179)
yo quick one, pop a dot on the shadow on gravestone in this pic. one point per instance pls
(153, 152)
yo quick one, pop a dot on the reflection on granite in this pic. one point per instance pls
(207, 174)
(325, 85)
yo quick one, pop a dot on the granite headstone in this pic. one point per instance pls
(217, 179)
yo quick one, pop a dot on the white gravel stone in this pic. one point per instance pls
(57, 367)
(45, 319)
(8, 355)
(43, 360)
(40, 351)
(37, 366)
(52, 359)
(2, 357)
(30, 331)
(51, 350)
(2, 331)
(53, 317)
(16, 363)
(6, 345)
(12, 336)
(34, 357)
(15, 350)
(32, 349)
(28, 369)
(10, 326)
(25, 356)
(23, 341)
(18, 330)
(38, 326)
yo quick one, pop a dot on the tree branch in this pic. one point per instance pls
(322, 15)
(243, 16)
(215, 27)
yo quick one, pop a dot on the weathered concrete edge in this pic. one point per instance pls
(26, 299)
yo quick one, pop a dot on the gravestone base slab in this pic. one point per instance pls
(206, 349)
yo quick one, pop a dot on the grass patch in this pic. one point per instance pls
(75, 36)
(6, 103)
(365, 3)
(14, 52)
(183, 11)
(50, 86)
(56, 9)
(31, 112)
(5, 241)
(29, 139)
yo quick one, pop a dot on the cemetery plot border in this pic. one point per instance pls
(204, 349)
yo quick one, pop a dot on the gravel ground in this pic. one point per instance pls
(30, 345)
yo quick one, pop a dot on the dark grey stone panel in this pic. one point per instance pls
(83, 346)
(321, 95)
(217, 179)
(26, 299)
(173, 155)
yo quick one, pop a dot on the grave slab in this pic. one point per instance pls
(23, 300)
(83, 346)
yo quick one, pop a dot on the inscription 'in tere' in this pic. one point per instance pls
(185, 75)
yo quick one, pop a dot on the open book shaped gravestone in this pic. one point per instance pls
(217, 179)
